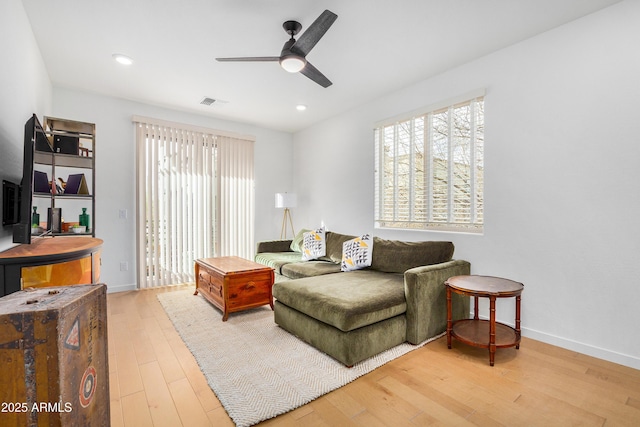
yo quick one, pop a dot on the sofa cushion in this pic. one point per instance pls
(313, 244)
(297, 270)
(273, 246)
(334, 246)
(276, 260)
(346, 301)
(356, 253)
(393, 256)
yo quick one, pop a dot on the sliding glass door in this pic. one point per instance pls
(195, 200)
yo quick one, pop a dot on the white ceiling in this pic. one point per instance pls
(374, 48)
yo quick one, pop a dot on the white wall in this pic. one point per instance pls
(115, 171)
(562, 204)
(25, 89)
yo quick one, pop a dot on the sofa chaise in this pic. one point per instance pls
(354, 315)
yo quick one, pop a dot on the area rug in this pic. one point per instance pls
(256, 369)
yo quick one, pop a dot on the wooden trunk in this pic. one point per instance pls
(233, 284)
(53, 357)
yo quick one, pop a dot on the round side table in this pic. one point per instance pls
(484, 333)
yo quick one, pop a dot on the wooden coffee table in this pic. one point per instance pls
(233, 284)
(484, 333)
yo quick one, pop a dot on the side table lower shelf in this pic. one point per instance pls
(476, 333)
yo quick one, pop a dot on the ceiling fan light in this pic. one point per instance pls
(293, 63)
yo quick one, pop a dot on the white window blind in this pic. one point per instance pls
(195, 199)
(236, 189)
(429, 171)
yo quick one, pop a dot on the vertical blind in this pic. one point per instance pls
(236, 189)
(195, 199)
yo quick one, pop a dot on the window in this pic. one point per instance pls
(429, 171)
(195, 199)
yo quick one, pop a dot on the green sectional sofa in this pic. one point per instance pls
(354, 315)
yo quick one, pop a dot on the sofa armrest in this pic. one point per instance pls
(274, 246)
(427, 299)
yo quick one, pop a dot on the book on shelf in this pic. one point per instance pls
(41, 182)
(76, 184)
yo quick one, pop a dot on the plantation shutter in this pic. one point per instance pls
(429, 167)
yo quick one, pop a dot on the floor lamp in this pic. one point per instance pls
(286, 201)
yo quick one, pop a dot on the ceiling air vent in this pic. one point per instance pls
(207, 101)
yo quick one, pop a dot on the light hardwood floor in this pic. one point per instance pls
(155, 381)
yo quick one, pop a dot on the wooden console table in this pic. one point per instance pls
(484, 333)
(234, 284)
(50, 261)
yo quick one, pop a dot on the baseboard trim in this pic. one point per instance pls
(121, 288)
(589, 350)
(579, 347)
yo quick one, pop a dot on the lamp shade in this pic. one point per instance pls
(286, 200)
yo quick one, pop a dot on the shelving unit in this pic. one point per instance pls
(73, 153)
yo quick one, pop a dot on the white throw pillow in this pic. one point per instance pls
(357, 253)
(314, 244)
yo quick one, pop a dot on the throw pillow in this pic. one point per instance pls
(314, 245)
(296, 243)
(357, 253)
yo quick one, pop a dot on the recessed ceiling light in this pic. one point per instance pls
(301, 107)
(122, 59)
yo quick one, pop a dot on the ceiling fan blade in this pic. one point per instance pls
(314, 74)
(250, 59)
(314, 33)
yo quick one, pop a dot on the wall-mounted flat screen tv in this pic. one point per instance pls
(33, 134)
(10, 203)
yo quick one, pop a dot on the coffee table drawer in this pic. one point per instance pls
(249, 291)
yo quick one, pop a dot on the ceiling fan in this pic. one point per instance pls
(293, 55)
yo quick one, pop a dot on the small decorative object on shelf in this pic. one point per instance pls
(35, 217)
(84, 219)
(79, 229)
(54, 220)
